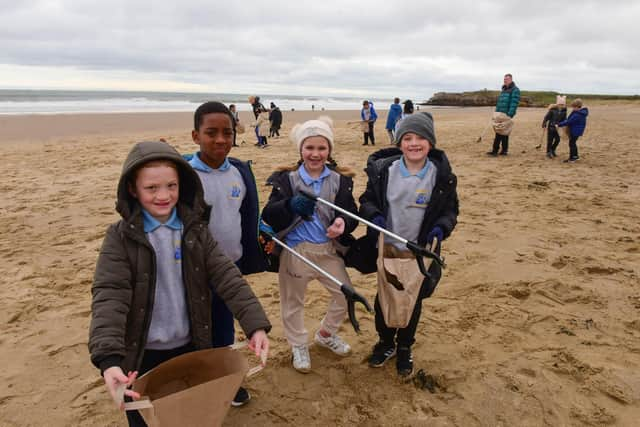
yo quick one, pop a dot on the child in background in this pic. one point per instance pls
(369, 116)
(412, 193)
(151, 296)
(262, 125)
(557, 113)
(230, 190)
(577, 122)
(311, 231)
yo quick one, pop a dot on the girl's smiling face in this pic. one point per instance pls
(315, 151)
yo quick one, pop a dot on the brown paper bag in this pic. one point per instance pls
(240, 128)
(191, 390)
(502, 124)
(397, 268)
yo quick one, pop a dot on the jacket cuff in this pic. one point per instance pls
(266, 328)
(109, 362)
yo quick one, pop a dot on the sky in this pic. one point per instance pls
(336, 48)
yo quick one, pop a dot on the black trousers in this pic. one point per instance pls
(501, 139)
(404, 337)
(553, 139)
(369, 135)
(573, 147)
(150, 360)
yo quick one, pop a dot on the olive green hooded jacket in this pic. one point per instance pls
(125, 277)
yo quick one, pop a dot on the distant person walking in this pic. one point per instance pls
(275, 118)
(369, 116)
(395, 112)
(507, 104)
(577, 122)
(557, 113)
(236, 122)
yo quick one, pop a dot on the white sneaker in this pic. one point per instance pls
(301, 358)
(333, 343)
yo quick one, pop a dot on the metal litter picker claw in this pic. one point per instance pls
(350, 294)
(419, 251)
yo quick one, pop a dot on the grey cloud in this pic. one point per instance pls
(389, 47)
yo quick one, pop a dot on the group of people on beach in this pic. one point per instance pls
(368, 116)
(555, 118)
(170, 280)
(267, 124)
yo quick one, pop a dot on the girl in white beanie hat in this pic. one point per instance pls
(314, 231)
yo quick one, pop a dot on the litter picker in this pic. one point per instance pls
(419, 251)
(350, 294)
(484, 131)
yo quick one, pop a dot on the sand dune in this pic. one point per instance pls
(536, 321)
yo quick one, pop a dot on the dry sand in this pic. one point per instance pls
(536, 322)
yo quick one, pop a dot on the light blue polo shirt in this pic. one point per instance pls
(310, 231)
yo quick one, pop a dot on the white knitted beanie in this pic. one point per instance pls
(323, 126)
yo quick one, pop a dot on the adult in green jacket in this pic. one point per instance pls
(508, 104)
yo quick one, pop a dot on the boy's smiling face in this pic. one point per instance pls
(414, 147)
(156, 188)
(215, 138)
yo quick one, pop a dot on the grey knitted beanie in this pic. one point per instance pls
(418, 123)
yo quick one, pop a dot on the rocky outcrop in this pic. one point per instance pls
(473, 99)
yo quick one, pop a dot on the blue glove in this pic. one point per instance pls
(435, 233)
(301, 205)
(380, 221)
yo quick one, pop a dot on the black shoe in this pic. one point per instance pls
(492, 153)
(550, 155)
(553, 153)
(381, 353)
(365, 144)
(242, 397)
(504, 153)
(571, 160)
(404, 361)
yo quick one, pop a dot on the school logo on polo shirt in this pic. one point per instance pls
(236, 191)
(421, 200)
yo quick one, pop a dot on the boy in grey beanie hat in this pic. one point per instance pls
(420, 124)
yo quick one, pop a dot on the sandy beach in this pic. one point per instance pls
(536, 321)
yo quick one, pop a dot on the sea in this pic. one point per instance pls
(83, 101)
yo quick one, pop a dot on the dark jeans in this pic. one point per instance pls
(573, 147)
(504, 139)
(369, 135)
(150, 360)
(405, 337)
(553, 139)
